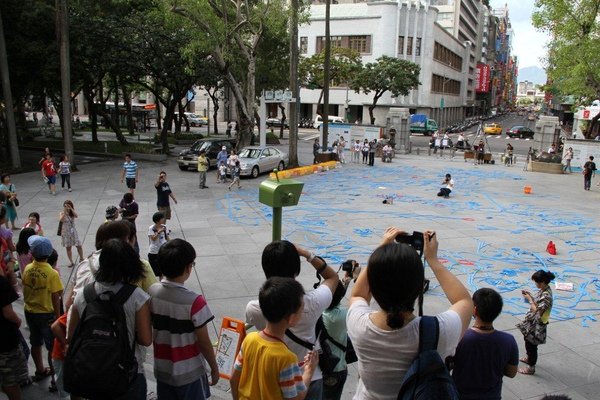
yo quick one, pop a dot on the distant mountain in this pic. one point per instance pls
(532, 74)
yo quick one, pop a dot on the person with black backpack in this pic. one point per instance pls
(107, 318)
(400, 355)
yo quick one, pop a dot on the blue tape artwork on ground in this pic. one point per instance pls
(350, 200)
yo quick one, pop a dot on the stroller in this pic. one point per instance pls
(387, 155)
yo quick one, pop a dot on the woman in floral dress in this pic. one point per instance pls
(534, 325)
(68, 232)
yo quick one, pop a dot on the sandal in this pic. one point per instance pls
(527, 370)
(524, 359)
(42, 375)
(26, 382)
(52, 388)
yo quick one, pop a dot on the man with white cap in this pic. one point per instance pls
(42, 289)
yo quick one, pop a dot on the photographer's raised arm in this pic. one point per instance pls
(455, 291)
(361, 289)
(330, 277)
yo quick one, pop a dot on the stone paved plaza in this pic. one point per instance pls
(491, 235)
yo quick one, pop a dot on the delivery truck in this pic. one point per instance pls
(419, 123)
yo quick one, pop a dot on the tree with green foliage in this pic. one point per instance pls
(572, 63)
(345, 63)
(387, 74)
(232, 33)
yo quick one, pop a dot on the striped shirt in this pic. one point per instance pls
(130, 168)
(269, 370)
(176, 314)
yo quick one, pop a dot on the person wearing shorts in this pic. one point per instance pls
(130, 173)
(163, 192)
(49, 173)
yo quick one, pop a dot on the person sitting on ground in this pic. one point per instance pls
(484, 354)
(447, 188)
(265, 368)
(282, 258)
(180, 316)
(386, 339)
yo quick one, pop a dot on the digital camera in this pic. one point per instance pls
(348, 266)
(415, 240)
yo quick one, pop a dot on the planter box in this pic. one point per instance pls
(324, 157)
(548, 168)
(487, 157)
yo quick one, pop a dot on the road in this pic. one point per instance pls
(497, 143)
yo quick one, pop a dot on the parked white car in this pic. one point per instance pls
(331, 118)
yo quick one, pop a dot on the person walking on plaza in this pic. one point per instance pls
(372, 149)
(589, 170)
(11, 201)
(484, 355)
(356, 152)
(65, 172)
(129, 210)
(316, 148)
(508, 155)
(49, 173)
(42, 289)
(235, 175)
(163, 192)
(180, 317)
(340, 150)
(536, 320)
(480, 152)
(130, 173)
(68, 232)
(568, 157)
(202, 168)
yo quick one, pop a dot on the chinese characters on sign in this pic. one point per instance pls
(482, 77)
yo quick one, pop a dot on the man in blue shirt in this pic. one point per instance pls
(484, 355)
(130, 173)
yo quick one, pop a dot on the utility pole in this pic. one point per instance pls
(8, 102)
(295, 104)
(65, 77)
(326, 67)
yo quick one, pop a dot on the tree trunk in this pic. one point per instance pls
(283, 118)
(215, 102)
(169, 114)
(65, 77)
(92, 114)
(178, 120)
(128, 110)
(294, 105)
(326, 68)
(182, 114)
(10, 117)
(158, 116)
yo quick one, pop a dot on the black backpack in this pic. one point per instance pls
(428, 378)
(327, 360)
(100, 362)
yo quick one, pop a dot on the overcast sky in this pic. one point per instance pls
(528, 44)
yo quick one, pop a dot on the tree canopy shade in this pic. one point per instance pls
(386, 74)
(345, 63)
(573, 65)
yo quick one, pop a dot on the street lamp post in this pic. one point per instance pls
(207, 114)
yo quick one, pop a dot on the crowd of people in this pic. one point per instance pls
(285, 357)
(367, 149)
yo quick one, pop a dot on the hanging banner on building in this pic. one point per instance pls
(482, 78)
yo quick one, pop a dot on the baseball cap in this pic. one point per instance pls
(111, 212)
(223, 148)
(40, 246)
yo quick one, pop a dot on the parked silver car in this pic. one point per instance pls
(255, 160)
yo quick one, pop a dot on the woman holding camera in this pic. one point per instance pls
(68, 233)
(534, 325)
(387, 340)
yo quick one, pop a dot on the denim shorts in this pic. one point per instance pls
(51, 179)
(39, 329)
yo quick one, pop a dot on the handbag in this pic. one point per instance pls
(59, 231)
(15, 201)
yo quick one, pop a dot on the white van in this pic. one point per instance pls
(331, 118)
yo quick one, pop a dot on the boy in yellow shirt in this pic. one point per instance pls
(41, 291)
(265, 368)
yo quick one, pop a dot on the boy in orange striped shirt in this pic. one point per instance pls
(265, 368)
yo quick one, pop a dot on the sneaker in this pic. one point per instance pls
(69, 189)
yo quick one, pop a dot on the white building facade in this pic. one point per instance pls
(408, 30)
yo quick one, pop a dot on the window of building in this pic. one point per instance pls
(418, 48)
(447, 57)
(409, 46)
(359, 43)
(440, 84)
(401, 45)
(303, 45)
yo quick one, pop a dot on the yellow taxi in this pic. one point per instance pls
(492, 129)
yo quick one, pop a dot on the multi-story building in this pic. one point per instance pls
(404, 29)
(506, 66)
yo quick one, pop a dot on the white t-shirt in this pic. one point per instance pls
(155, 244)
(385, 356)
(315, 303)
(450, 184)
(133, 304)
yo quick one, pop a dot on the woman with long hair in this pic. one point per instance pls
(535, 323)
(68, 232)
(386, 340)
(23, 251)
